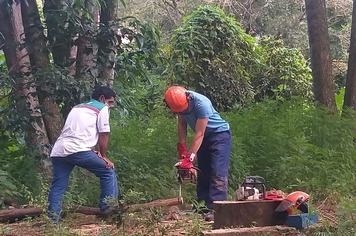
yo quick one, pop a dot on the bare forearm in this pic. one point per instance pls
(196, 143)
(103, 143)
(182, 130)
(200, 128)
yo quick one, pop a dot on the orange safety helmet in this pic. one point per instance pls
(293, 200)
(297, 198)
(176, 98)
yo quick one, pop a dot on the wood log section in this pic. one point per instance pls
(247, 213)
(18, 214)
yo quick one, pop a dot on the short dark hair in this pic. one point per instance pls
(103, 91)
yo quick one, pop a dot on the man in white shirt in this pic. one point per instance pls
(86, 127)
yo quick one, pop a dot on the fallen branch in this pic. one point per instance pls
(18, 214)
(156, 203)
(134, 207)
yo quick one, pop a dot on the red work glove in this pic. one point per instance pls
(182, 150)
(186, 162)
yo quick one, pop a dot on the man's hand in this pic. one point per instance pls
(108, 164)
(186, 162)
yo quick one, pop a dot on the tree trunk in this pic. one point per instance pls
(350, 90)
(323, 84)
(108, 42)
(39, 57)
(87, 71)
(59, 36)
(18, 63)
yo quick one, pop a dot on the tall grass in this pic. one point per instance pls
(295, 145)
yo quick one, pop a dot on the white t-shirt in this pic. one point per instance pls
(81, 129)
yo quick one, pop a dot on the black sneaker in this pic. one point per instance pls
(209, 216)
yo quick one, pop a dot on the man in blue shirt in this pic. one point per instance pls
(211, 145)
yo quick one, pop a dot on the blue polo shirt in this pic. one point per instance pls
(200, 107)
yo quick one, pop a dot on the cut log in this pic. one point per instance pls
(134, 207)
(18, 214)
(247, 213)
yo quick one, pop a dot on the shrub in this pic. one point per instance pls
(284, 72)
(212, 54)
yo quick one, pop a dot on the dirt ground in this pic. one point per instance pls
(169, 221)
(165, 221)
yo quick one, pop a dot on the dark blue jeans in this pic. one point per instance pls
(213, 163)
(62, 167)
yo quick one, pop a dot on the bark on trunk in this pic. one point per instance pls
(18, 63)
(108, 42)
(323, 84)
(350, 90)
(87, 71)
(59, 36)
(39, 57)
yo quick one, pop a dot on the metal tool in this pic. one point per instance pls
(185, 176)
(251, 188)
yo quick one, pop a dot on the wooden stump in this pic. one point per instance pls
(247, 213)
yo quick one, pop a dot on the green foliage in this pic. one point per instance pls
(284, 73)
(346, 213)
(138, 66)
(10, 185)
(339, 97)
(144, 153)
(212, 54)
(8, 188)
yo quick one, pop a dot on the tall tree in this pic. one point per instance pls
(59, 27)
(350, 91)
(25, 93)
(108, 42)
(323, 84)
(87, 71)
(39, 57)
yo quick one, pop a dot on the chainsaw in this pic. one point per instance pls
(185, 176)
(251, 189)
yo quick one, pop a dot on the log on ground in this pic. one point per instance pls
(17, 214)
(134, 207)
